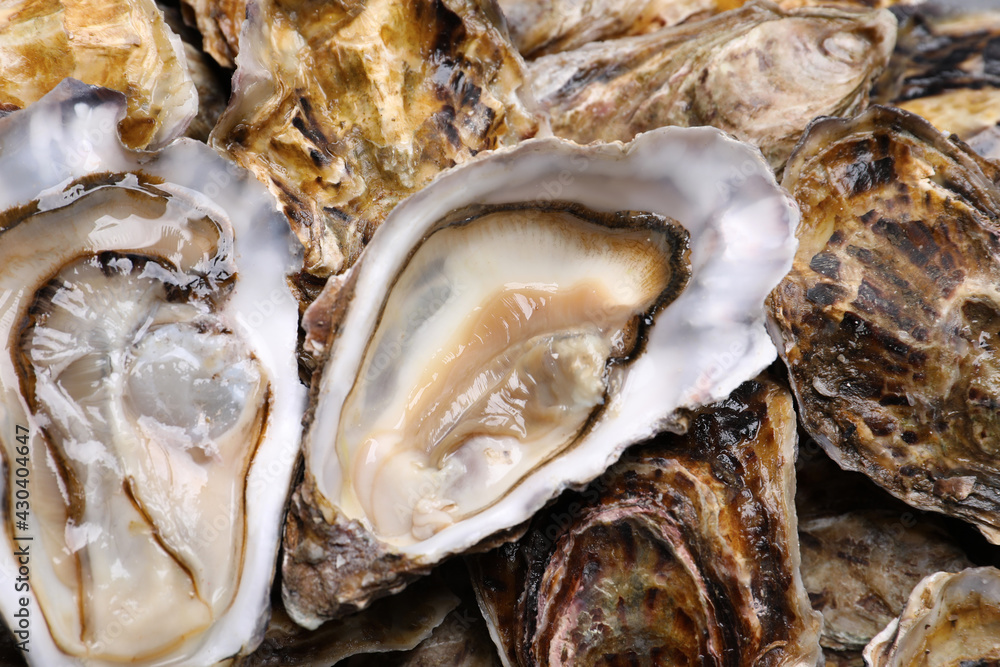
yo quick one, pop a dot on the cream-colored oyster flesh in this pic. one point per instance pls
(149, 389)
(125, 46)
(512, 328)
(758, 72)
(951, 620)
(344, 111)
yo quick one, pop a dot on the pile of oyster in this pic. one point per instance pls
(538, 332)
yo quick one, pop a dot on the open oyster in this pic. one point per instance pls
(150, 398)
(509, 331)
(951, 620)
(685, 551)
(124, 45)
(758, 72)
(343, 110)
(889, 318)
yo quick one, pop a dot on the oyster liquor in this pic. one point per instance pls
(22, 629)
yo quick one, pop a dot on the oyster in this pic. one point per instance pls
(683, 553)
(889, 317)
(343, 112)
(945, 69)
(121, 45)
(509, 331)
(758, 72)
(951, 620)
(151, 404)
(863, 551)
(543, 27)
(860, 567)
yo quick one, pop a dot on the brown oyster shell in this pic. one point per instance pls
(889, 317)
(344, 110)
(945, 70)
(122, 45)
(543, 27)
(400, 623)
(860, 567)
(951, 620)
(758, 72)
(684, 552)
(219, 22)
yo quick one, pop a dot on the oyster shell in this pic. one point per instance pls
(684, 552)
(343, 112)
(543, 27)
(219, 22)
(508, 333)
(951, 620)
(391, 625)
(758, 72)
(860, 567)
(150, 413)
(888, 319)
(121, 45)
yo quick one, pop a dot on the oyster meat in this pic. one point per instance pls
(344, 111)
(758, 72)
(889, 319)
(683, 553)
(951, 620)
(124, 45)
(509, 331)
(151, 406)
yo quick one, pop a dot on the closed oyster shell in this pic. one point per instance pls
(758, 72)
(509, 331)
(951, 620)
(125, 46)
(684, 552)
(860, 567)
(889, 317)
(345, 110)
(543, 27)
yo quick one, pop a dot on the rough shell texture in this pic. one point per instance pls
(758, 72)
(719, 189)
(889, 319)
(542, 27)
(860, 567)
(125, 46)
(159, 411)
(951, 620)
(400, 623)
(344, 110)
(684, 550)
(219, 22)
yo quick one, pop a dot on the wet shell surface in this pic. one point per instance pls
(683, 553)
(151, 406)
(888, 320)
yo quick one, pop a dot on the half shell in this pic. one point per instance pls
(511, 329)
(150, 397)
